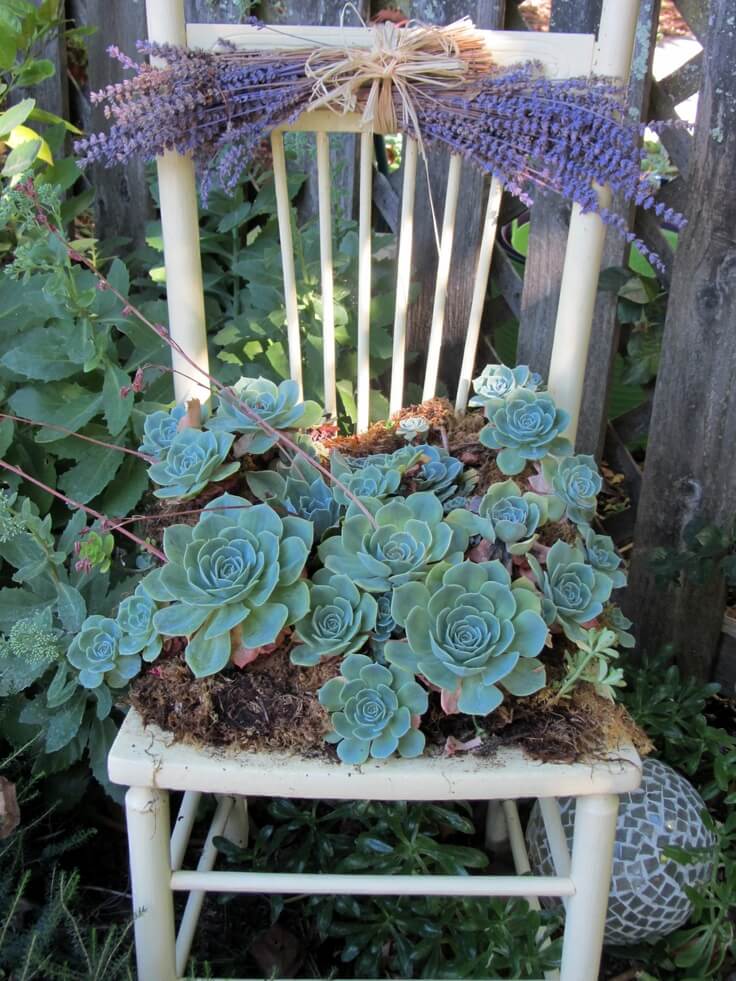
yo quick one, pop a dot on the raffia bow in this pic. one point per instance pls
(402, 63)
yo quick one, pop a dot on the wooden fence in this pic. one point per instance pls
(123, 206)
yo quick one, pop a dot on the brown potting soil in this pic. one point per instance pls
(272, 705)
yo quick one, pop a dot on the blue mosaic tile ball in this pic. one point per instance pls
(648, 898)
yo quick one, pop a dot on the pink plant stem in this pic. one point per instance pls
(87, 439)
(75, 504)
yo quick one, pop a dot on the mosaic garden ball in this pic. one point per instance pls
(648, 898)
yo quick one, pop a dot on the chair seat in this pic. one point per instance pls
(145, 756)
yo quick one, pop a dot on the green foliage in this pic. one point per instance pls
(409, 937)
(525, 426)
(238, 567)
(709, 551)
(339, 620)
(468, 630)
(590, 662)
(410, 537)
(642, 306)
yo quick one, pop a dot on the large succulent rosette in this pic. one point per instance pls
(239, 567)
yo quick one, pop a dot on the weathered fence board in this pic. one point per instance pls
(691, 466)
(485, 14)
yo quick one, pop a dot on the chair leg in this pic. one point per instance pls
(147, 813)
(592, 855)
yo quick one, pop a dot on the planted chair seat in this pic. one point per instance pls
(147, 761)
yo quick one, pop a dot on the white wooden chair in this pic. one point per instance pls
(146, 761)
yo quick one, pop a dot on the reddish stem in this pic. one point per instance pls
(87, 439)
(75, 504)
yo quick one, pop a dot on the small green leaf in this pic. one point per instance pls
(21, 158)
(16, 115)
(71, 607)
(96, 469)
(64, 724)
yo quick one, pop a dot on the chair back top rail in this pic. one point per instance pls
(559, 55)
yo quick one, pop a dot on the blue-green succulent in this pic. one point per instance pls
(194, 459)
(409, 537)
(412, 426)
(95, 653)
(526, 426)
(573, 591)
(577, 482)
(469, 630)
(513, 517)
(370, 480)
(279, 406)
(239, 567)
(371, 708)
(339, 620)
(159, 429)
(302, 491)
(443, 474)
(496, 382)
(602, 555)
(135, 619)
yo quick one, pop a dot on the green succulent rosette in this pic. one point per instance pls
(277, 405)
(371, 708)
(526, 426)
(370, 481)
(573, 591)
(602, 555)
(514, 517)
(194, 459)
(576, 481)
(239, 566)
(95, 653)
(159, 430)
(306, 496)
(135, 619)
(468, 630)
(496, 382)
(339, 621)
(410, 537)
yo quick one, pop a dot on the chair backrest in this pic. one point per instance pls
(561, 55)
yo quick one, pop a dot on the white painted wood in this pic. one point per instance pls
(403, 274)
(324, 884)
(147, 817)
(180, 231)
(283, 211)
(480, 286)
(443, 276)
(364, 279)
(183, 827)
(612, 58)
(592, 855)
(206, 863)
(561, 55)
(325, 246)
(144, 755)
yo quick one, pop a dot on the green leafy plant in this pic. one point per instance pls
(591, 662)
(708, 551)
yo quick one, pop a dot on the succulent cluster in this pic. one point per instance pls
(403, 570)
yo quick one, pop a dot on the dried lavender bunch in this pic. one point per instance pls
(218, 107)
(530, 131)
(561, 134)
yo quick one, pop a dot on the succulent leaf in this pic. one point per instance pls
(277, 405)
(526, 426)
(339, 620)
(194, 459)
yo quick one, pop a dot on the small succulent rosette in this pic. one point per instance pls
(468, 629)
(95, 652)
(302, 491)
(497, 381)
(278, 406)
(159, 430)
(194, 460)
(527, 426)
(514, 518)
(576, 482)
(411, 427)
(573, 591)
(372, 708)
(339, 621)
(410, 537)
(135, 619)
